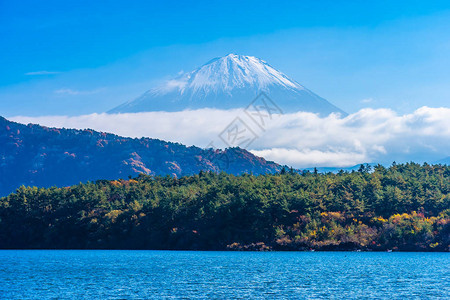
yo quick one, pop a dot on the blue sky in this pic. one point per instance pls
(80, 57)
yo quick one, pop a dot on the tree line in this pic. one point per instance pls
(403, 207)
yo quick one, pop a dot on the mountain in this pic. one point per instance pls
(41, 156)
(444, 161)
(232, 81)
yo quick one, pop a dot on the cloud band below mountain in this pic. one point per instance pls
(299, 139)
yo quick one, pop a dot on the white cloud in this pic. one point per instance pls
(171, 85)
(42, 73)
(300, 139)
(308, 157)
(367, 100)
(72, 92)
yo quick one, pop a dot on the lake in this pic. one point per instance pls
(126, 274)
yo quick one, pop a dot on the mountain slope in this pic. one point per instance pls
(444, 161)
(232, 81)
(41, 156)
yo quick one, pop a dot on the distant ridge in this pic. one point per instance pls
(444, 161)
(232, 81)
(41, 156)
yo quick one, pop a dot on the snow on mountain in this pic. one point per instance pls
(232, 81)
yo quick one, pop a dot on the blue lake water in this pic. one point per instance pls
(98, 274)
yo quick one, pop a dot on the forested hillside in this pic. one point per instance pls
(42, 156)
(403, 207)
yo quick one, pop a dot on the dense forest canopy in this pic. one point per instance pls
(404, 207)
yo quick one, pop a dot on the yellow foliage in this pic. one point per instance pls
(116, 183)
(434, 245)
(381, 219)
(113, 215)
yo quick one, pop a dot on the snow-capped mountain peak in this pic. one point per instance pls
(231, 81)
(234, 70)
(223, 74)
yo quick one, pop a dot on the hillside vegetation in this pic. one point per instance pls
(403, 207)
(41, 156)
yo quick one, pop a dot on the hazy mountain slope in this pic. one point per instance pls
(41, 156)
(444, 161)
(232, 81)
